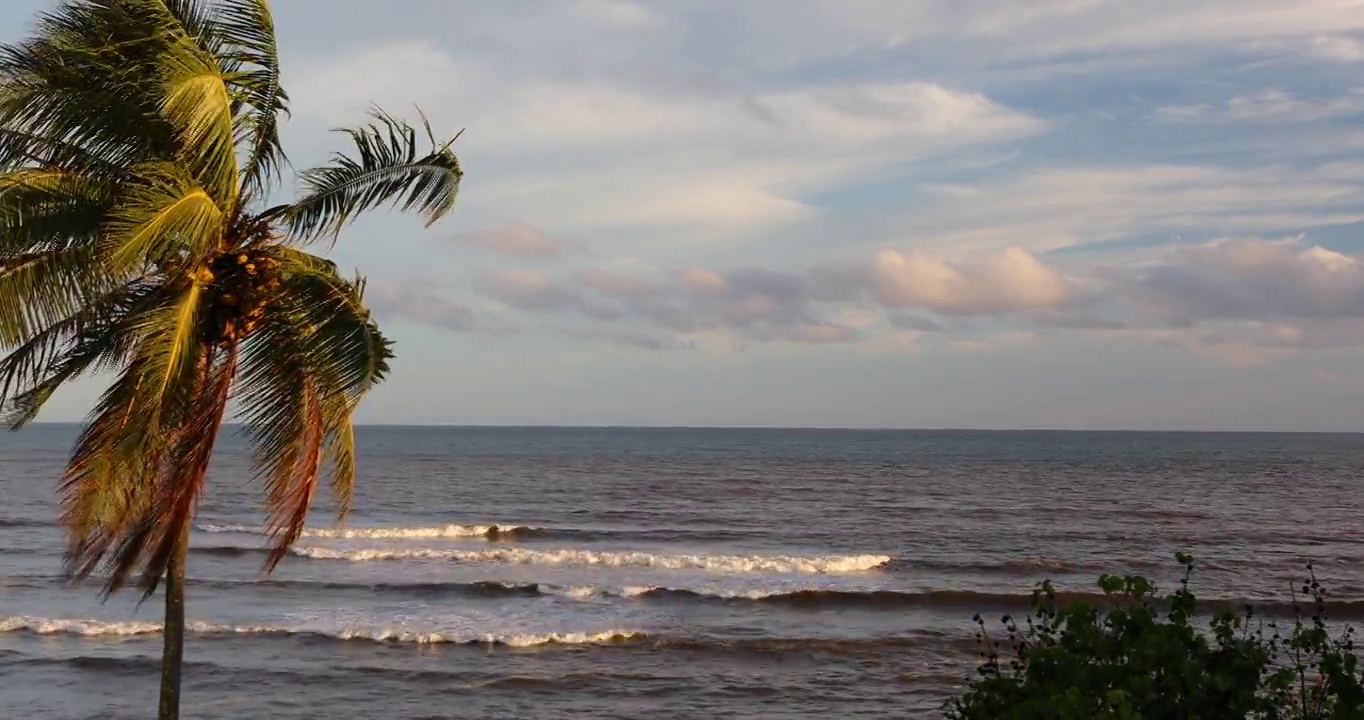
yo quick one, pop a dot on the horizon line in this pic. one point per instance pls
(811, 428)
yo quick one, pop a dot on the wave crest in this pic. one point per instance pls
(825, 565)
(104, 628)
(491, 531)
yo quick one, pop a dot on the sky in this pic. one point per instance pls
(1090, 214)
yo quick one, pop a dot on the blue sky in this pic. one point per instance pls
(906, 213)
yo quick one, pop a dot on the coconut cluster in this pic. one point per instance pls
(239, 284)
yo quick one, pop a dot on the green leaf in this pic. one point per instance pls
(314, 356)
(165, 218)
(387, 168)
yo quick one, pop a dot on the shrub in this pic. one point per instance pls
(1142, 656)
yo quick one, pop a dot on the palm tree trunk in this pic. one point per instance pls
(173, 652)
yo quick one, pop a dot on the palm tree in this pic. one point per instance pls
(139, 144)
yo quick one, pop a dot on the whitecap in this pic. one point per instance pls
(830, 565)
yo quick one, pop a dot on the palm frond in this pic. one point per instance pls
(316, 353)
(20, 148)
(166, 218)
(149, 541)
(196, 18)
(135, 451)
(84, 78)
(50, 208)
(239, 35)
(42, 288)
(248, 29)
(96, 337)
(388, 167)
(198, 105)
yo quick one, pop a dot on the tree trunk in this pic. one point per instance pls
(173, 652)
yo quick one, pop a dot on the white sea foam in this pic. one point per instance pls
(442, 531)
(580, 592)
(830, 565)
(61, 626)
(98, 628)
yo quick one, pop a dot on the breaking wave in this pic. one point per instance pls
(490, 531)
(826, 565)
(103, 628)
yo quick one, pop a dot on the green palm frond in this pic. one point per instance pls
(21, 148)
(95, 338)
(50, 208)
(388, 167)
(39, 289)
(198, 104)
(117, 476)
(303, 371)
(248, 28)
(49, 220)
(149, 539)
(85, 78)
(240, 36)
(197, 20)
(164, 218)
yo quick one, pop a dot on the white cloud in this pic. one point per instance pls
(1252, 279)
(985, 33)
(619, 13)
(1243, 301)
(1057, 207)
(701, 280)
(602, 154)
(1012, 280)
(1336, 48)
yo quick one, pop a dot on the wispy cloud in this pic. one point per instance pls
(519, 241)
(1267, 106)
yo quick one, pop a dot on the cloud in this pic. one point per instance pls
(618, 13)
(1049, 208)
(423, 304)
(701, 280)
(612, 283)
(1243, 301)
(1012, 280)
(1251, 279)
(819, 305)
(1336, 48)
(977, 33)
(917, 323)
(624, 154)
(534, 292)
(1267, 106)
(518, 241)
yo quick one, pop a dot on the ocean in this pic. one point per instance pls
(670, 573)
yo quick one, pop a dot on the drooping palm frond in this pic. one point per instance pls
(164, 218)
(49, 222)
(50, 208)
(39, 289)
(316, 353)
(388, 167)
(149, 539)
(97, 337)
(112, 481)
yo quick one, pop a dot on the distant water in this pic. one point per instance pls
(659, 573)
